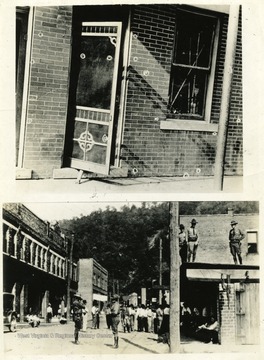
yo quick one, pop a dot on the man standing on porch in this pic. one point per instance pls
(235, 237)
(192, 241)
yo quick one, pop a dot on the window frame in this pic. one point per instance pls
(185, 121)
(252, 231)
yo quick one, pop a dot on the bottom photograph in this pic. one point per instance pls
(130, 277)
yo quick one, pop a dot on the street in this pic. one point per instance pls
(57, 339)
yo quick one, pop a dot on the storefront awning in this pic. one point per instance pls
(99, 297)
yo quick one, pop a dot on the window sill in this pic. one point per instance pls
(191, 125)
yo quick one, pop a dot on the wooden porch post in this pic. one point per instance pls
(226, 92)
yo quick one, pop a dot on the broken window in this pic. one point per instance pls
(192, 64)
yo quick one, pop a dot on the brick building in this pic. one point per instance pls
(227, 291)
(35, 262)
(93, 282)
(125, 90)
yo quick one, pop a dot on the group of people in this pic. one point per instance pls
(131, 318)
(198, 324)
(80, 311)
(151, 319)
(189, 241)
(138, 318)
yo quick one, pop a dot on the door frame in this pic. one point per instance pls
(117, 110)
(25, 90)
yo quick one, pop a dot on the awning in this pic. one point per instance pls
(251, 275)
(99, 297)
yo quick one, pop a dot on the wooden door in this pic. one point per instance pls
(95, 95)
(247, 314)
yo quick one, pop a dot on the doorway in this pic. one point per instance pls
(94, 122)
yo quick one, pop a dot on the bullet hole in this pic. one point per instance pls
(134, 171)
(135, 58)
(40, 34)
(186, 175)
(146, 73)
(135, 36)
(214, 133)
(198, 170)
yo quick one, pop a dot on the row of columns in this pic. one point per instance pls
(18, 245)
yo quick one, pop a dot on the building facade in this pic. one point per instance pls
(93, 282)
(125, 90)
(35, 262)
(218, 287)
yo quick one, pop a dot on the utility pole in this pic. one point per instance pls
(174, 279)
(160, 269)
(69, 279)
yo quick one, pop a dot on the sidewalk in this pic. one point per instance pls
(127, 185)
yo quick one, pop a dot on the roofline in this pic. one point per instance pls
(197, 265)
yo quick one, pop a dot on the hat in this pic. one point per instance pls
(194, 221)
(233, 222)
(77, 296)
(181, 226)
(115, 297)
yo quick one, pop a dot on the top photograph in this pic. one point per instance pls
(147, 97)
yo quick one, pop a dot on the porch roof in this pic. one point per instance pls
(214, 272)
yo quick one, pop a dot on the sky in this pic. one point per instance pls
(58, 211)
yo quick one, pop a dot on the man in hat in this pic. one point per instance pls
(235, 237)
(115, 315)
(77, 308)
(182, 243)
(192, 238)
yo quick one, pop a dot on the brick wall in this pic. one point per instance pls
(234, 149)
(85, 285)
(48, 91)
(228, 316)
(151, 151)
(33, 225)
(213, 233)
(147, 148)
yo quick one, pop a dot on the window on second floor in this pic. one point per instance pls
(252, 242)
(193, 63)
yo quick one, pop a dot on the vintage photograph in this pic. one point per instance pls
(146, 96)
(131, 178)
(131, 278)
